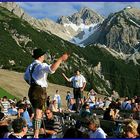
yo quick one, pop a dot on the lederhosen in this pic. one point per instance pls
(37, 94)
(77, 93)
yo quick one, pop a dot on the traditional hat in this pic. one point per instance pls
(37, 53)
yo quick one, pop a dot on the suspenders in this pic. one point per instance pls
(31, 72)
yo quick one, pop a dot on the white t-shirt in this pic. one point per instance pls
(77, 81)
(57, 98)
(99, 133)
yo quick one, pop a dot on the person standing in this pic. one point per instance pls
(36, 75)
(58, 99)
(78, 83)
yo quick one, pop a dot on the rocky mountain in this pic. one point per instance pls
(46, 25)
(102, 70)
(85, 16)
(120, 32)
(84, 22)
(75, 28)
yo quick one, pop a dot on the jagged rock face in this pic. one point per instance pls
(13, 7)
(120, 31)
(46, 25)
(85, 16)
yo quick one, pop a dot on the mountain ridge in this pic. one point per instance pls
(67, 32)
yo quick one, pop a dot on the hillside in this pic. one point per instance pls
(124, 77)
(14, 83)
(19, 38)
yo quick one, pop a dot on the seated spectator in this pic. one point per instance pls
(51, 126)
(95, 130)
(54, 106)
(72, 106)
(25, 100)
(4, 123)
(5, 104)
(107, 102)
(91, 98)
(20, 129)
(30, 111)
(131, 129)
(118, 104)
(126, 105)
(22, 112)
(110, 113)
(12, 110)
(18, 103)
(99, 104)
(85, 111)
(136, 111)
(15, 100)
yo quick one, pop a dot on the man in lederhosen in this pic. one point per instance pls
(36, 75)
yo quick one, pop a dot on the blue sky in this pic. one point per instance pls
(53, 10)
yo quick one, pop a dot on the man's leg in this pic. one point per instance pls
(76, 97)
(37, 122)
(81, 100)
(37, 96)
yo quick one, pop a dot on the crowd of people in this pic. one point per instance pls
(40, 115)
(52, 125)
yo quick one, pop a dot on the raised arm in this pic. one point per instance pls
(55, 65)
(66, 77)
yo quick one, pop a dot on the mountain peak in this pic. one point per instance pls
(120, 31)
(85, 9)
(86, 16)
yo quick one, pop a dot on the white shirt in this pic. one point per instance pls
(99, 133)
(57, 98)
(77, 81)
(39, 74)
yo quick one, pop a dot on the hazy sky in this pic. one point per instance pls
(53, 10)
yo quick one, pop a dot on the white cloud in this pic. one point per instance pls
(54, 10)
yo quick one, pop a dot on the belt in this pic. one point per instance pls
(34, 84)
